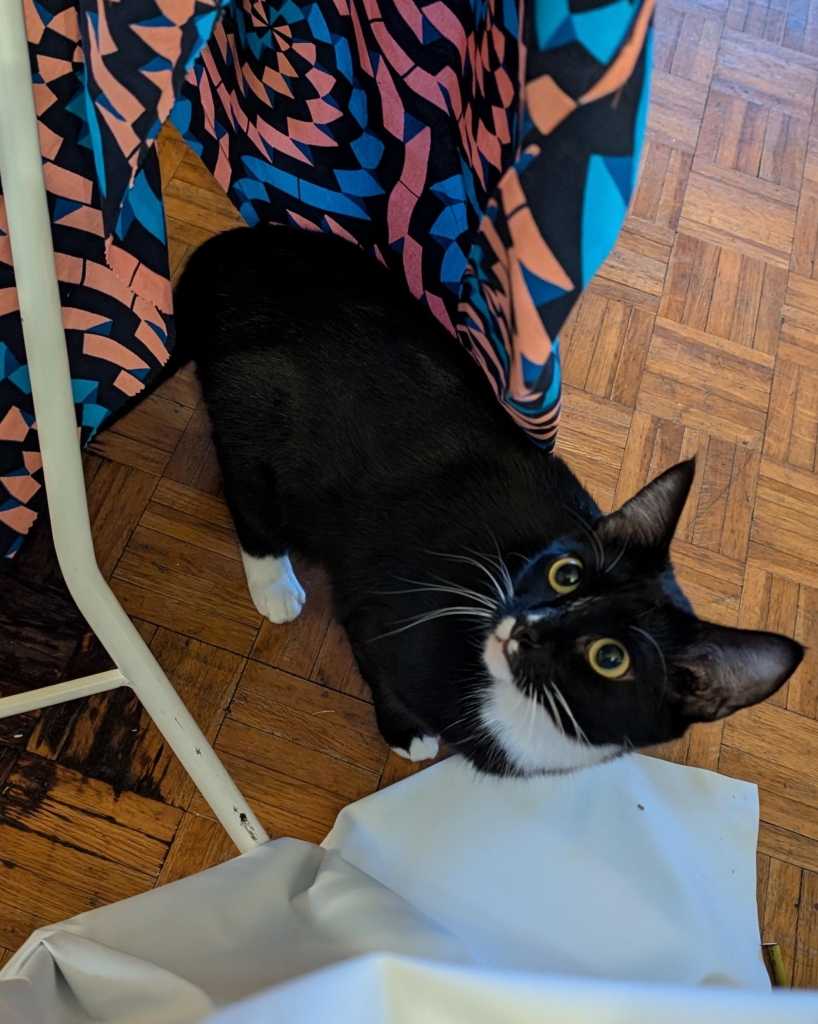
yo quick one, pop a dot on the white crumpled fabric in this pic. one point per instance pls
(621, 895)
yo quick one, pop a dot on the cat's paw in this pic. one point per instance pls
(274, 588)
(422, 748)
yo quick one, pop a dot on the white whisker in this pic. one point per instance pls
(479, 565)
(440, 613)
(648, 637)
(610, 568)
(596, 543)
(502, 568)
(580, 735)
(419, 588)
(554, 712)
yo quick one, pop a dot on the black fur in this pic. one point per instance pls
(350, 427)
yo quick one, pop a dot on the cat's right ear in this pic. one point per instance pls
(729, 669)
(649, 518)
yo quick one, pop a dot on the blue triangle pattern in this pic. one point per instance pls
(104, 329)
(621, 170)
(562, 36)
(21, 380)
(62, 207)
(541, 291)
(411, 127)
(83, 390)
(531, 372)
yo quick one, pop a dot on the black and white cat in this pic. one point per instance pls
(488, 601)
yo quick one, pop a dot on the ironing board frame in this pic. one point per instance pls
(35, 272)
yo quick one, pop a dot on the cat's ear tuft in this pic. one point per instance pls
(650, 517)
(732, 669)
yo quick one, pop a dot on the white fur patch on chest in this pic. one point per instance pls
(529, 736)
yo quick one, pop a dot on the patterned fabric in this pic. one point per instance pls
(483, 149)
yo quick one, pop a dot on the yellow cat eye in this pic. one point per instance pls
(609, 658)
(565, 574)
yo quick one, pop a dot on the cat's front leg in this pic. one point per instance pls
(252, 501)
(274, 588)
(401, 730)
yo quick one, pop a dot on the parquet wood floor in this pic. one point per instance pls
(699, 336)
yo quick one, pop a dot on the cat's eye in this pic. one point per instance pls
(565, 574)
(609, 658)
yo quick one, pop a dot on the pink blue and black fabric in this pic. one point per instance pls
(485, 150)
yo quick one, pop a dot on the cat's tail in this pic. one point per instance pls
(189, 312)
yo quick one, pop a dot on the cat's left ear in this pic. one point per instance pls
(732, 669)
(649, 518)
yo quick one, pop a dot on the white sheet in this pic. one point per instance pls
(636, 872)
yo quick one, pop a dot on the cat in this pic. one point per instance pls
(488, 601)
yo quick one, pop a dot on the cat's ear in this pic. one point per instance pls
(731, 669)
(649, 518)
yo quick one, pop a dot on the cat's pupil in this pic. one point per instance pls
(610, 656)
(567, 575)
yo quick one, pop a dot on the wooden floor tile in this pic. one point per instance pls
(781, 916)
(727, 208)
(335, 666)
(766, 73)
(707, 383)
(791, 847)
(284, 805)
(754, 138)
(52, 801)
(310, 715)
(200, 844)
(297, 760)
(194, 461)
(805, 974)
(296, 646)
(663, 181)
(114, 739)
(725, 294)
(593, 442)
(677, 108)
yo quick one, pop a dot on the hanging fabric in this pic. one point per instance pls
(484, 150)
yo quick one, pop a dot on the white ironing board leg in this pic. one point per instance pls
(36, 277)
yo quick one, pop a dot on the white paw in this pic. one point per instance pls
(422, 748)
(275, 591)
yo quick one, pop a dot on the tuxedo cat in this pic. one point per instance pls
(488, 601)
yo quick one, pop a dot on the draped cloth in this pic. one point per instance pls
(485, 150)
(623, 893)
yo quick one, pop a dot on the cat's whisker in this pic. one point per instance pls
(554, 711)
(596, 543)
(506, 575)
(532, 716)
(478, 595)
(440, 613)
(479, 565)
(651, 639)
(472, 705)
(418, 588)
(501, 566)
(610, 568)
(578, 732)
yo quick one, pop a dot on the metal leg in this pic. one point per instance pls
(33, 255)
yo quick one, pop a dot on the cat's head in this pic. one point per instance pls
(597, 650)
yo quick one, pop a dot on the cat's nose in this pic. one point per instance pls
(526, 632)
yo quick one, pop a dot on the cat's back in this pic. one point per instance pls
(318, 364)
(312, 322)
(301, 285)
